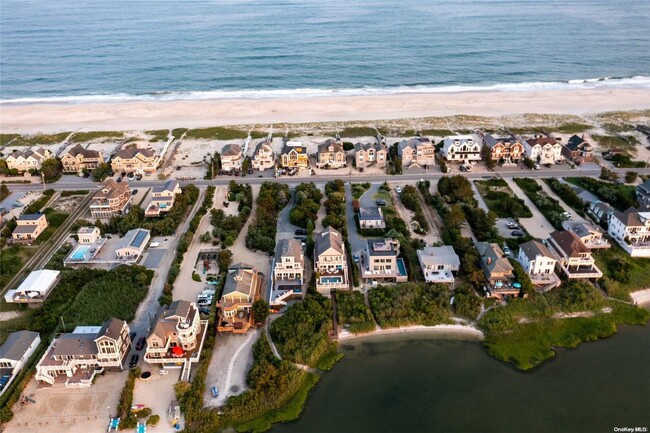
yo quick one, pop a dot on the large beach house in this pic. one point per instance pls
(573, 257)
(544, 150)
(294, 154)
(368, 154)
(112, 200)
(78, 159)
(134, 160)
(30, 159)
(162, 198)
(417, 152)
(631, 230)
(330, 262)
(289, 270)
(263, 156)
(28, 228)
(242, 288)
(331, 154)
(380, 262)
(232, 157)
(508, 150)
(462, 148)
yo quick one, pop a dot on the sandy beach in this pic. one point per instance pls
(141, 115)
(640, 296)
(453, 331)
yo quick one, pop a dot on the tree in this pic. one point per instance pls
(456, 188)
(631, 176)
(4, 169)
(4, 191)
(101, 172)
(51, 169)
(607, 174)
(260, 310)
(224, 259)
(486, 154)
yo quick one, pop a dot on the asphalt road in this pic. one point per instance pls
(72, 182)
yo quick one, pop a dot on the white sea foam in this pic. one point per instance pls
(642, 82)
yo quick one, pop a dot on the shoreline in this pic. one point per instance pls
(457, 331)
(640, 297)
(150, 115)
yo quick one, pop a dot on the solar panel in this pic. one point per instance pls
(139, 238)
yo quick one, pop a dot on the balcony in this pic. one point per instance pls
(585, 271)
(237, 324)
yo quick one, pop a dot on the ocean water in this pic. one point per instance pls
(74, 50)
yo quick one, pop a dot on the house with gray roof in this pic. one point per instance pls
(631, 229)
(368, 154)
(380, 262)
(289, 266)
(497, 269)
(590, 234)
(643, 195)
(241, 289)
(439, 264)
(539, 263)
(330, 262)
(371, 218)
(74, 358)
(17, 349)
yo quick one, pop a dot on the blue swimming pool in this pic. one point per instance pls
(80, 252)
(330, 280)
(401, 266)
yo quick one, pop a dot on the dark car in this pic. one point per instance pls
(178, 168)
(300, 238)
(135, 191)
(132, 336)
(140, 344)
(134, 360)
(250, 171)
(517, 233)
(380, 202)
(301, 232)
(119, 179)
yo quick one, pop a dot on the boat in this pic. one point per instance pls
(137, 407)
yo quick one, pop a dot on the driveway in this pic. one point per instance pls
(357, 244)
(285, 229)
(479, 197)
(574, 216)
(537, 226)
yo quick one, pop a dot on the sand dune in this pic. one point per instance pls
(200, 113)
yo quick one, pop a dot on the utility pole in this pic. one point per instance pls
(646, 165)
(43, 180)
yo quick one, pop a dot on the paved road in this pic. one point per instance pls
(356, 243)
(70, 182)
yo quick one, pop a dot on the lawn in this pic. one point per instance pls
(548, 206)
(616, 141)
(619, 196)
(358, 189)
(500, 199)
(12, 260)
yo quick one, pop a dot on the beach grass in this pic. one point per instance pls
(158, 135)
(216, 133)
(33, 140)
(353, 313)
(82, 137)
(622, 274)
(178, 132)
(360, 131)
(289, 412)
(527, 345)
(626, 142)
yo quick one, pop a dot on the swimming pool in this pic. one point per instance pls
(80, 252)
(330, 280)
(401, 266)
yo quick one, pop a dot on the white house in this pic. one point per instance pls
(462, 148)
(15, 352)
(133, 244)
(35, 288)
(631, 229)
(544, 150)
(438, 264)
(538, 262)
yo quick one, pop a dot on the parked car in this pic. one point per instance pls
(398, 189)
(178, 168)
(380, 202)
(355, 258)
(517, 233)
(300, 232)
(250, 171)
(119, 179)
(163, 372)
(134, 360)
(513, 226)
(132, 336)
(537, 167)
(135, 191)
(566, 215)
(131, 177)
(506, 250)
(140, 344)
(204, 310)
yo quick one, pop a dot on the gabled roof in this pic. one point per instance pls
(336, 146)
(16, 344)
(75, 344)
(289, 248)
(86, 153)
(330, 238)
(569, 243)
(492, 258)
(111, 190)
(263, 145)
(240, 278)
(367, 146)
(300, 150)
(491, 141)
(133, 152)
(631, 218)
(112, 329)
(231, 150)
(532, 249)
(134, 238)
(574, 142)
(644, 188)
(170, 186)
(542, 141)
(168, 320)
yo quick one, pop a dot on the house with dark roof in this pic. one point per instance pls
(497, 269)
(368, 154)
(241, 289)
(462, 148)
(113, 199)
(28, 228)
(380, 262)
(294, 154)
(600, 211)
(506, 150)
(371, 218)
(232, 157)
(30, 159)
(631, 230)
(642, 193)
(330, 262)
(134, 160)
(74, 358)
(578, 150)
(590, 234)
(17, 349)
(78, 159)
(331, 154)
(573, 257)
(162, 198)
(417, 152)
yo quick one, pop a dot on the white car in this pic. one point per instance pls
(398, 189)
(163, 372)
